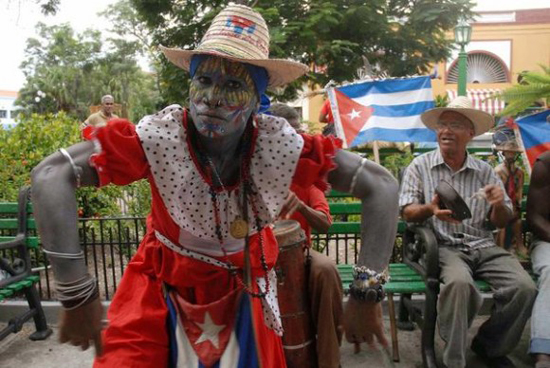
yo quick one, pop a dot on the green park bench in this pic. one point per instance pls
(15, 263)
(406, 278)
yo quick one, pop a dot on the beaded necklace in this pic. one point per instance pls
(247, 195)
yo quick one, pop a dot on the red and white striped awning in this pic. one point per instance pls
(480, 99)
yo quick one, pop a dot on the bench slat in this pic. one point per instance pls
(11, 224)
(32, 241)
(11, 208)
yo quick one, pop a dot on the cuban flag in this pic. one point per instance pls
(534, 132)
(221, 334)
(387, 110)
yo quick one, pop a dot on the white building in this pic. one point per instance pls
(7, 108)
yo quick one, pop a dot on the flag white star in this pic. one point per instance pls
(354, 114)
(210, 331)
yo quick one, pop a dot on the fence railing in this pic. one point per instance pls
(110, 243)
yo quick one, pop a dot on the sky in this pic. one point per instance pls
(19, 17)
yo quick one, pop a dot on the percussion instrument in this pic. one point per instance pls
(292, 287)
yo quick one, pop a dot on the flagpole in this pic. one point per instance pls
(336, 116)
(519, 139)
(376, 152)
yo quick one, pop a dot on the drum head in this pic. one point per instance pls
(283, 227)
(452, 200)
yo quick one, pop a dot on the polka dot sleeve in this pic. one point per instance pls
(316, 161)
(119, 157)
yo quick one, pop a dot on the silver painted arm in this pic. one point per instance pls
(55, 206)
(378, 191)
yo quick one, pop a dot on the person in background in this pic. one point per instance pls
(512, 177)
(466, 248)
(538, 218)
(100, 118)
(326, 117)
(310, 208)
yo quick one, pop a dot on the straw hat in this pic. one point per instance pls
(481, 120)
(504, 139)
(240, 34)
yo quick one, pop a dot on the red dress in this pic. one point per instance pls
(158, 150)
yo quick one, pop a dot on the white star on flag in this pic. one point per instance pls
(210, 331)
(354, 114)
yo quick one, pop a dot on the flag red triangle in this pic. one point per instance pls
(353, 115)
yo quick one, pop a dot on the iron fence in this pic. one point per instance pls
(110, 243)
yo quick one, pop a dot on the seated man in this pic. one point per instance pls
(538, 217)
(467, 250)
(310, 208)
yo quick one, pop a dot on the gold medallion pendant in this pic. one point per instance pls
(238, 228)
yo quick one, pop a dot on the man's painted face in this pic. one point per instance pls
(222, 97)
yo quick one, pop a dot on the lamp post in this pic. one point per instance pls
(463, 34)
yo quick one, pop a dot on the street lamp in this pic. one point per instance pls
(463, 34)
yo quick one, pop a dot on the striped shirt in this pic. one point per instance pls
(418, 186)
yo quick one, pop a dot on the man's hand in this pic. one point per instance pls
(291, 205)
(81, 325)
(443, 215)
(363, 323)
(494, 195)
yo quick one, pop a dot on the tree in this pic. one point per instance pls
(37, 136)
(532, 88)
(402, 37)
(67, 71)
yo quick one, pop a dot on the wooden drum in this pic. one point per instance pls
(292, 287)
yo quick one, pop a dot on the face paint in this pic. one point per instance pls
(222, 97)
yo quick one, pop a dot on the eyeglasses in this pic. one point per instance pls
(454, 126)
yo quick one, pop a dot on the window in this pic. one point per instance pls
(481, 67)
(3, 114)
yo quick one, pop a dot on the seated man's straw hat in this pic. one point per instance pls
(481, 120)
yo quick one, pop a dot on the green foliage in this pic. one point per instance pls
(37, 136)
(399, 36)
(534, 86)
(441, 100)
(67, 71)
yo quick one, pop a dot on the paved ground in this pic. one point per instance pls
(18, 351)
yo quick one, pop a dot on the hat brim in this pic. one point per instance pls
(508, 149)
(481, 120)
(280, 71)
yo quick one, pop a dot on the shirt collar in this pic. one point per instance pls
(471, 163)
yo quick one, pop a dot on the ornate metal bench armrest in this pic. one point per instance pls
(421, 251)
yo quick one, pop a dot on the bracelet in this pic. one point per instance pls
(366, 275)
(51, 253)
(367, 284)
(77, 293)
(76, 169)
(372, 293)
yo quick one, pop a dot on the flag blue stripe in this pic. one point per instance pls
(386, 86)
(402, 110)
(394, 135)
(534, 129)
(171, 322)
(244, 330)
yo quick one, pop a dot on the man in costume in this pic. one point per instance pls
(538, 217)
(511, 175)
(466, 248)
(310, 208)
(105, 114)
(219, 175)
